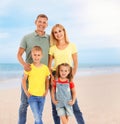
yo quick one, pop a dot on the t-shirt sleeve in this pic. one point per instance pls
(26, 72)
(73, 48)
(47, 71)
(51, 51)
(72, 85)
(23, 43)
(54, 84)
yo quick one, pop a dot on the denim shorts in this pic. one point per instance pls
(66, 110)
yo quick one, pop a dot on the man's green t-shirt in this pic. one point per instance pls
(33, 39)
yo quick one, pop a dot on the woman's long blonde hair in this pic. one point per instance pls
(53, 40)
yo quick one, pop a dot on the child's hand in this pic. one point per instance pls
(55, 102)
(45, 93)
(28, 95)
(27, 67)
(71, 102)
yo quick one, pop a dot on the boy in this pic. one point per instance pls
(38, 84)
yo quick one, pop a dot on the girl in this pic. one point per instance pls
(63, 92)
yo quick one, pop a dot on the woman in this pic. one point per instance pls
(63, 51)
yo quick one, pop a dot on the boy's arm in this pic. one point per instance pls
(53, 95)
(46, 86)
(25, 65)
(24, 85)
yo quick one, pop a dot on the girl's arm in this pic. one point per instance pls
(73, 92)
(24, 85)
(75, 63)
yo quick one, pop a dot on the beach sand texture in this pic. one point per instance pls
(98, 98)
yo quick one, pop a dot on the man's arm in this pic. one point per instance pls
(25, 65)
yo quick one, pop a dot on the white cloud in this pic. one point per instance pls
(96, 23)
(5, 6)
(4, 35)
(89, 23)
(98, 16)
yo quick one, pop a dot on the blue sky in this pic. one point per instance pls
(93, 25)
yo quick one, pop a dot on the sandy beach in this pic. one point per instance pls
(98, 97)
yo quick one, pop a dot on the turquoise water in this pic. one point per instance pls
(11, 73)
(10, 70)
(15, 70)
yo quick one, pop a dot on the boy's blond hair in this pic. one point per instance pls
(36, 48)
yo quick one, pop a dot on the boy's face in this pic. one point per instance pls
(41, 24)
(36, 56)
(64, 71)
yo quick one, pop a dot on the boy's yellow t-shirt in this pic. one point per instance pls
(63, 56)
(36, 79)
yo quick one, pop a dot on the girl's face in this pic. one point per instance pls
(36, 56)
(64, 71)
(58, 33)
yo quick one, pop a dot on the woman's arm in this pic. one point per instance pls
(50, 60)
(75, 63)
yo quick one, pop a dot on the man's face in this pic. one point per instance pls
(41, 24)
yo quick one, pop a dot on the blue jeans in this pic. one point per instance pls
(36, 104)
(76, 111)
(23, 108)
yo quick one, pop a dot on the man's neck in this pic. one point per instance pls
(41, 33)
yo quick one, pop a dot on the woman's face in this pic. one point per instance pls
(58, 33)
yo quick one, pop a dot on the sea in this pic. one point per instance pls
(11, 73)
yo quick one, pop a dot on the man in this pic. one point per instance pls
(36, 38)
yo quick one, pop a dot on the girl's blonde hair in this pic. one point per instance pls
(53, 40)
(70, 76)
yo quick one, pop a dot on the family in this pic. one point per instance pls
(50, 65)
